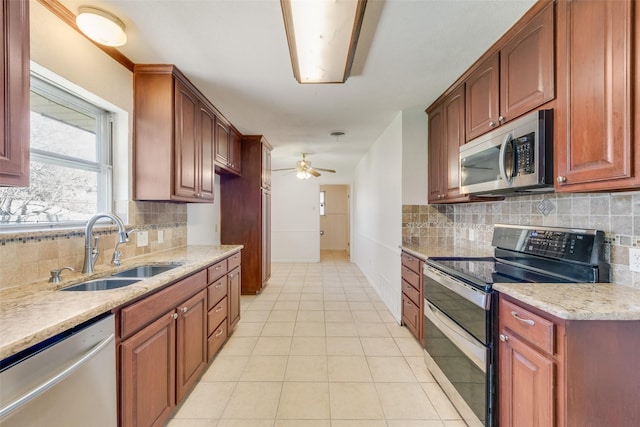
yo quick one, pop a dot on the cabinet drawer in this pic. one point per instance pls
(531, 327)
(410, 315)
(215, 341)
(411, 262)
(411, 277)
(138, 314)
(411, 292)
(216, 315)
(234, 261)
(217, 270)
(216, 291)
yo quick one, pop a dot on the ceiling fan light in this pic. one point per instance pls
(101, 26)
(302, 175)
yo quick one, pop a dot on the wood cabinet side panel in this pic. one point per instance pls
(14, 123)
(435, 153)
(207, 127)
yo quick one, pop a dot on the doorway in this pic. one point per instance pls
(334, 218)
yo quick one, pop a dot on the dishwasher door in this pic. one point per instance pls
(69, 380)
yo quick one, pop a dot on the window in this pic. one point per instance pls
(322, 196)
(71, 165)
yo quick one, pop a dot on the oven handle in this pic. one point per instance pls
(475, 296)
(475, 351)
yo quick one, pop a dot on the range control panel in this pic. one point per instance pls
(567, 244)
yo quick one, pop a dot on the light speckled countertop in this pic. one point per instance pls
(32, 313)
(582, 301)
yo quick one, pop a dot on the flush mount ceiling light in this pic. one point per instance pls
(101, 26)
(322, 37)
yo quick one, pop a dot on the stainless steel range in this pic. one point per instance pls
(459, 314)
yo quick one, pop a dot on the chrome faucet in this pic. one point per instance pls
(91, 250)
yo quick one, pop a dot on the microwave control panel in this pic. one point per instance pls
(525, 155)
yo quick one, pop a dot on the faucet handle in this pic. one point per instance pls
(55, 274)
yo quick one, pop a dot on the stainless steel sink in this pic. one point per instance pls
(103, 284)
(143, 271)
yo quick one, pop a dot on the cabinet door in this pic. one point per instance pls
(527, 67)
(234, 298)
(207, 126)
(266, 237)
(526, 384)
(436, 155)
(594, 146)
(14, 123)
(147, 374)
(222, 143)
(191, 350)
(235, 151)
(482, 90)
(186, 145)
(454, 130)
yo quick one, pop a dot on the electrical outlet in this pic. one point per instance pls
(142, 238)
(160, 236)
(634, 259)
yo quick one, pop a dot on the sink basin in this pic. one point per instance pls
(145, 270)
(104, 284)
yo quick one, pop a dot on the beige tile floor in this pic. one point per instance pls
(317, 348)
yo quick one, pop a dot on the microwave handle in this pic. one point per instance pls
(502, 159)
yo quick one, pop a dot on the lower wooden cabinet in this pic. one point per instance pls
(167, 338)
(412, 294)
(554, 372)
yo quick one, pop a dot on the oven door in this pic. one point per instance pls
(460, 364)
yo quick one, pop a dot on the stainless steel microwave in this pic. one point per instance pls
(514, 159)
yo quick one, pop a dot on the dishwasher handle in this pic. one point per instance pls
(46, 385)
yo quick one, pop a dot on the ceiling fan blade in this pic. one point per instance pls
(325, 170)
(313, 172)
(285, 169)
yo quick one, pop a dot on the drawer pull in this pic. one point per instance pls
(408, 304)
(527, 321)
(218, 267)
(220, 332)
(219, 285)
(219, 309)
(231, 276)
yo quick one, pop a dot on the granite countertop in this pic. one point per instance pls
(574, 301)
(34, 312)
(578, 301)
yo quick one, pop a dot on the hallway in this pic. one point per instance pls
(317, 348)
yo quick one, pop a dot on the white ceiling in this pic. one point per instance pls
(236, 52)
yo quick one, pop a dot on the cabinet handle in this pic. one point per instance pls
(527, 321)
(504, 338)
(502, 119)
(492, 124)
(218, 267)
(219, 309)
(408, 304)
(220, 332)
(231, 276)
(219, 285)
(174, 316)
(185, 309)
(561, 179)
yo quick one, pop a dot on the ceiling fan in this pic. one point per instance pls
(304, 170)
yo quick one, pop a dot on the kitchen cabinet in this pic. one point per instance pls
(234, 290)
(228, 152)
(246, 213)
(556, 372)
(515, 79)
(163, 350)
(598, 107)
(412, 294)
(446, 135)
(14, 123)
(174, 137)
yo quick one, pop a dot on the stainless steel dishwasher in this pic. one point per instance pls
(68, 380)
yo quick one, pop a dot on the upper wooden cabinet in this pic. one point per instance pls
(228, 152)
(516, 79)
(598, 107)
(174, 137)
(446, 135)
(14, 123)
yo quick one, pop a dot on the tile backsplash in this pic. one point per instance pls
(27, 257)
(470, 225)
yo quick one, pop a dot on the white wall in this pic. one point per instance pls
(414, 157)
(203, 224)
(295, 220)
(377, 215)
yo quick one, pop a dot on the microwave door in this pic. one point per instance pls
(507, 160)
